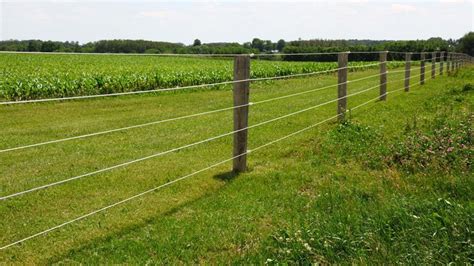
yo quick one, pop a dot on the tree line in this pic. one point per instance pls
(256, 46)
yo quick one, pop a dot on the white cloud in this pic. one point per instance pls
(452, 1)
(154, 14)
(401, 8)
(358, 1)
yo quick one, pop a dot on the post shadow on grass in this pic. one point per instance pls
(226, 176)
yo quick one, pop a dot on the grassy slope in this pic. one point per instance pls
(214, 217)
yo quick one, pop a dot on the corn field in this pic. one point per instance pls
(35, 76)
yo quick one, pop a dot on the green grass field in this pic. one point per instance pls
(392, 184)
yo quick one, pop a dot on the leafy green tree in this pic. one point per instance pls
(280, 45)
(258, 44)
(466, 44)
(34, 46)
(49, 46)
(268, 46)
(197, 42)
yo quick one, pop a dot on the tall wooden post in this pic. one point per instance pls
(407, 71)
(383, 75)
(422, 68)
(452, 62)
(342, 59)
(241, 113)
(441, 61)
(447, 63)
(433, 65)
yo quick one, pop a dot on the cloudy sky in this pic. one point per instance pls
(215, 21)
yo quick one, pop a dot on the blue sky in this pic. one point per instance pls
(240, 21)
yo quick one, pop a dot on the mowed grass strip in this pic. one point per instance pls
(37, 211)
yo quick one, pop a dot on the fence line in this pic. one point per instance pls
(177, 118)
(403, 70)
(461, 61)
(183, 147)
(161, 121)
(82, 217)
(202, 141)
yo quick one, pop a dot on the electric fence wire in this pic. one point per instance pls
(185, 146)
(82, 217)
(175, 118)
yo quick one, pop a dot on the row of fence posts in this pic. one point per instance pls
(241, 91)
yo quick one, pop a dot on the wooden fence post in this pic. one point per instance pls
(453, 62)
(453, 67)
(342, 59)
(383, 75)
(433, 65)
(407, 71)
(422, 68)
(241, 98)
(447, 63)
(441, 61)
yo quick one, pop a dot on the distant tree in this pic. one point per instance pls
(34, 46)
(247, 45)
(197, 42)
(258, 44)
(466, 44)
(151, 51)
(268, 46)
(49, 46)
(280, 45)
